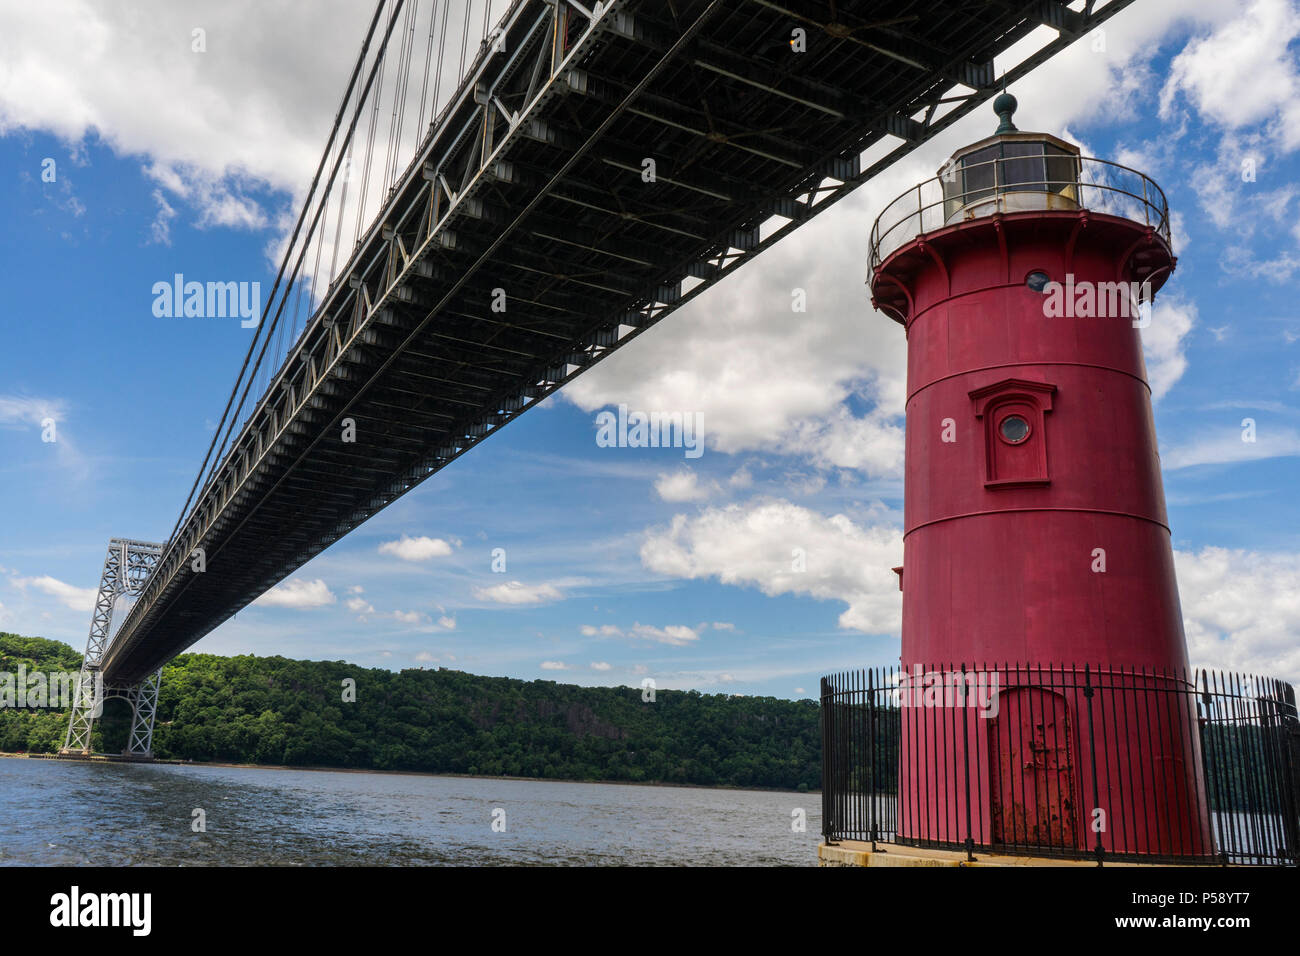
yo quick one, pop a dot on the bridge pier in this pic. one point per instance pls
(127, 567)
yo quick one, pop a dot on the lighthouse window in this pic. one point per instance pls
(1026, 173)
(1014, 429)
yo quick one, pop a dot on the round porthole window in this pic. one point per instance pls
(1014, 429)
(1037, 281)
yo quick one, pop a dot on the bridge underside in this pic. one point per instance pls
(535, 182)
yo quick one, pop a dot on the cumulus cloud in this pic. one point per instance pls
(554, 666)
(1164, 342)
(681, 485)
(764, 545)
(676, 635)
(298, 593)
(416, 549)
(600, 665)
(70, 596)
(514, 592)
(1243, 72)
(1241, 610)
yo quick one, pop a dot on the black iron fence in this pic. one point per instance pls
(1081, 762)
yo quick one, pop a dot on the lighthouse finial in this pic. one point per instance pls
(1004, 105)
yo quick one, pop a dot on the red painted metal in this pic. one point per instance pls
(1004, 540)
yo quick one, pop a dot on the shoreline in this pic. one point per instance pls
(109, 758)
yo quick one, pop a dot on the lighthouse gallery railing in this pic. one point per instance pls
(1095, 184)
(1070, 762)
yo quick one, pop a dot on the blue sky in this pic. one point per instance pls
(621, 563)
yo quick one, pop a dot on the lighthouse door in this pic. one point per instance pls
(1032, 799)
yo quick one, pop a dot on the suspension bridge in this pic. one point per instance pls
(557, 177)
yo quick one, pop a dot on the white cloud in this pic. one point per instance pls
(298, 593)
(448, 623)
(408, 617)
(1164, 342)
(78, 599)
(554, 666)
(681, 485)
(26, 410)
(676, 635)
(1241, 610)
(755, 545)
(160, 231)
(416, 549)
(1243, 73)
(514, 592)
(601, 665)
(1224, 446)
(360, 606)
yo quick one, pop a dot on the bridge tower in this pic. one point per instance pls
(127, 567)
(1034, 515)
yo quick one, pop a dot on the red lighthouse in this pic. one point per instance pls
(1035, 524)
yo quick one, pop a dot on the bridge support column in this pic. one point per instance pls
(127, 566)
(144, 704)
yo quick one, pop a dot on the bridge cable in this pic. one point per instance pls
(323, 203)
(428, 60)
(370, 151)
(298, 265)
(437, 76)
(400, 105)
(293, 238)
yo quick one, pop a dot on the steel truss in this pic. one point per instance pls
(127, 567)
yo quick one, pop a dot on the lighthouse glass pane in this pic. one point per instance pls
(1062, 170)
(1023, 173)
(977, 174)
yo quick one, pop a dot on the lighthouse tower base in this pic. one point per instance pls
(856, 853)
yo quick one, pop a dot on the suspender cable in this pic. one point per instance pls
(464, 42)
(400, 98)
(370, 150)
(338, 119)
(437, 76)
(316, 219)
(428, 60)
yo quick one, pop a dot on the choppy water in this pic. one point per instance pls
(70, 813)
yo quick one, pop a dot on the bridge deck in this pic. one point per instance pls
(532, 183)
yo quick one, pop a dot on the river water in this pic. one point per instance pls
(70, 813)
